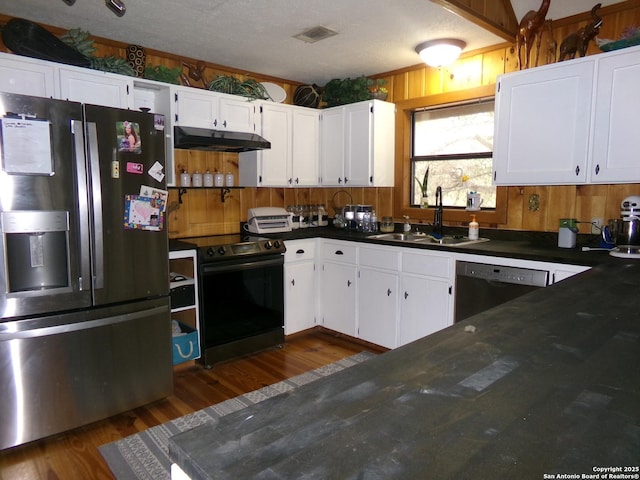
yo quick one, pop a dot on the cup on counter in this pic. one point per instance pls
(474, 201)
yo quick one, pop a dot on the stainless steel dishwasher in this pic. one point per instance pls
(480, 286)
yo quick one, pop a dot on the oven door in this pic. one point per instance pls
(242, 301)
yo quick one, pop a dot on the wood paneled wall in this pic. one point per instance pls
(203, 212)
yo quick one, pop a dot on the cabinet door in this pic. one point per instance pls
(236, 114)
(299, 297)
(425, 305)
(96, 88)
(27, 77)
(378, 307)
(332, 146)
(358, 155)
(276, 127)
(195, 108)
(305, 138)
(616, 142)
(542, 125)
(339, 298)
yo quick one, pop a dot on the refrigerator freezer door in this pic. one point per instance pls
(44, 222)
(64, 371)
(126, 156)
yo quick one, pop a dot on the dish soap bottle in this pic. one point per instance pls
(407, 226)
(474, 228)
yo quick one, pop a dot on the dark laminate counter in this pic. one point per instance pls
(547, 384)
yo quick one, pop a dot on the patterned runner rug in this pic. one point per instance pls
(145, 455)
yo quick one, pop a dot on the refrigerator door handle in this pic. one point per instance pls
(8, 332)
(96, 193)
(84, 282)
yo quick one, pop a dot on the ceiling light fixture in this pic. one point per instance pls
(116, 6)
(441, 52)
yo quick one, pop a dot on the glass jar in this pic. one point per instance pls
(196, 179)
(185, 179)
(218, 180)
(207, 179)
(323, 216)
(229, 179)
(387, 225)
(295, 216)
(304, 216)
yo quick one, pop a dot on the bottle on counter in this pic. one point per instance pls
(474, 228)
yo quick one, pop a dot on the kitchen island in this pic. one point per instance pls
(547, 384)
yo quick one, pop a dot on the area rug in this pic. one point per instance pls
(145, 455)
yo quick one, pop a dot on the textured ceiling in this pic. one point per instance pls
(374, 36)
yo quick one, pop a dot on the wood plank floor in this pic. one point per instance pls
(74, 455)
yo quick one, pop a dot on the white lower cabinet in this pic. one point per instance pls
(338, 286)
(378, 287)
(300, 292)
(426, 300)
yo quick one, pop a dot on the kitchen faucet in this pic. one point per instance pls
(437, 216)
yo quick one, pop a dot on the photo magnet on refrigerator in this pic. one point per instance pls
(136, 168)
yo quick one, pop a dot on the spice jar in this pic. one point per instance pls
(387, 225)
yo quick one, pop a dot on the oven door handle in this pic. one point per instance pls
(237, 265)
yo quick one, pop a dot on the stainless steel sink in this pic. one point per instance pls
(399, 237)
(449, 240)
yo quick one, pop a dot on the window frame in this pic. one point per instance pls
(449, 157)
(403, 174)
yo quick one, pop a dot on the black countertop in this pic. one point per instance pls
(546, 384)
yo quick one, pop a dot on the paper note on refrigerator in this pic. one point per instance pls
(26, 146)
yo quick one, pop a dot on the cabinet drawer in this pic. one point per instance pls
(298, 250)
(429, 265)
(339, 252)
(380, 258)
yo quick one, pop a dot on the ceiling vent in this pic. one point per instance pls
(315, 34)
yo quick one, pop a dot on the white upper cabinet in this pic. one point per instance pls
(358, 144)
(205, 109)
(542, 125)
(569, 123)
(616, 142)
(292, 160)
(332, 151)
(26, 76)
(94, 87)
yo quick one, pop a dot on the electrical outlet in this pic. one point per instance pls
(596, 225)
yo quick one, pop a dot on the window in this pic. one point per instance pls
(455, 144)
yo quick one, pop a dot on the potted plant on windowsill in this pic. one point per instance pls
(423, 189)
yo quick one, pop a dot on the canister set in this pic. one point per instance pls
(207, 179)
(305, 216)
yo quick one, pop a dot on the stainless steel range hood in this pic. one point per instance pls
(194, 138)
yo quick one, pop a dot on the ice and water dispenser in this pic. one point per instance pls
(36, 250)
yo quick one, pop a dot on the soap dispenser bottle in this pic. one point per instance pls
(474, 228)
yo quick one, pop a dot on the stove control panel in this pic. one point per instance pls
(256, 248)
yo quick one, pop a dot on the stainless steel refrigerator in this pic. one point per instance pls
(84, 297)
